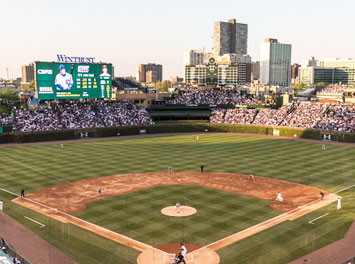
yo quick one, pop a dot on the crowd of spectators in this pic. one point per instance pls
(333, 89)
(214, 96)
(15, 260)
(78, 115)
(339, 117)
(239, 116)
(306, 115)
(5, 119)
(124, 114)
(272, 117)
(324, 116)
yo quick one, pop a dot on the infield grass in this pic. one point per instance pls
(34, 167)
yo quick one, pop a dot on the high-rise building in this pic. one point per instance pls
(275, 63)
(212, 74)
(194, 57)
(28, 73)
(328, 70)
(255, 70)
(156, 69)
(294, 73)
(230, 37)
(344, 69)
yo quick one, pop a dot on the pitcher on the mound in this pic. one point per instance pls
(178, 206)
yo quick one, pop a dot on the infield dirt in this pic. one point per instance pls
(71, 198)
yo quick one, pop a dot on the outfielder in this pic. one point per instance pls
(178, 205)
(339, 203)
(197, 138)
(63, 80)
(323, 147)
(1, 205)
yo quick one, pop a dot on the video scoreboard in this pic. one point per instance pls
(55, 80)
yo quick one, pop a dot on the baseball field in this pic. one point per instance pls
(232, 221)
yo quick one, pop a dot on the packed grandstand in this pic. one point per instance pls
(83, 115)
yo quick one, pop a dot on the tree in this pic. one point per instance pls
(321, 84)
(9, 98)
(163, 86)
(28, 87)
(300, 86)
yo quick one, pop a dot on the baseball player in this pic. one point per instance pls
(22, 193)
(251, 177)
(339, 203)
(61, 146)
(178, 205)
(170, 169)
(98, 192)
(322, 195)
(104, 71)
(278, 198)
(63, 80)
(1, 205)
(323, 147)
(183, 250)
(197, 138)
(202, 167)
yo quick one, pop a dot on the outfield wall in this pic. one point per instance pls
(25, 137)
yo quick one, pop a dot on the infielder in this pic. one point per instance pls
(98, 191)
(279, 197)
(251, 177)
(183, 250)
(202, 167)
(339, 203)
(170, 170)
(63, 80)
(1, 205)
(178, 205)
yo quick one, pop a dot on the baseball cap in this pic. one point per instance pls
(61, 67)
(104, 66)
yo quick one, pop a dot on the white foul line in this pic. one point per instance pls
(42, 225)
(9, 192)
(345, 188)
(311, 222)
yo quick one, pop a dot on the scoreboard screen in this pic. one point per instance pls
(73, 80)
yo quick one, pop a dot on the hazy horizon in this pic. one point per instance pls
(129, 33)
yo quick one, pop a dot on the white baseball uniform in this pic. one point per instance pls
(278, 196)
(1, 205)
(178, 207)
(183, 251)
(64, 80)
(339, 204)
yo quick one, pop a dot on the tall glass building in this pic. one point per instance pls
(275, 63)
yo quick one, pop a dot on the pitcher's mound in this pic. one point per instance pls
(184, 211)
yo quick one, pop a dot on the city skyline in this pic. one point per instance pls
(128, 34)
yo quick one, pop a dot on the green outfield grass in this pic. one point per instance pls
(39, 166)
(137, 215)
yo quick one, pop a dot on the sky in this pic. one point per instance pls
(127, 33)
